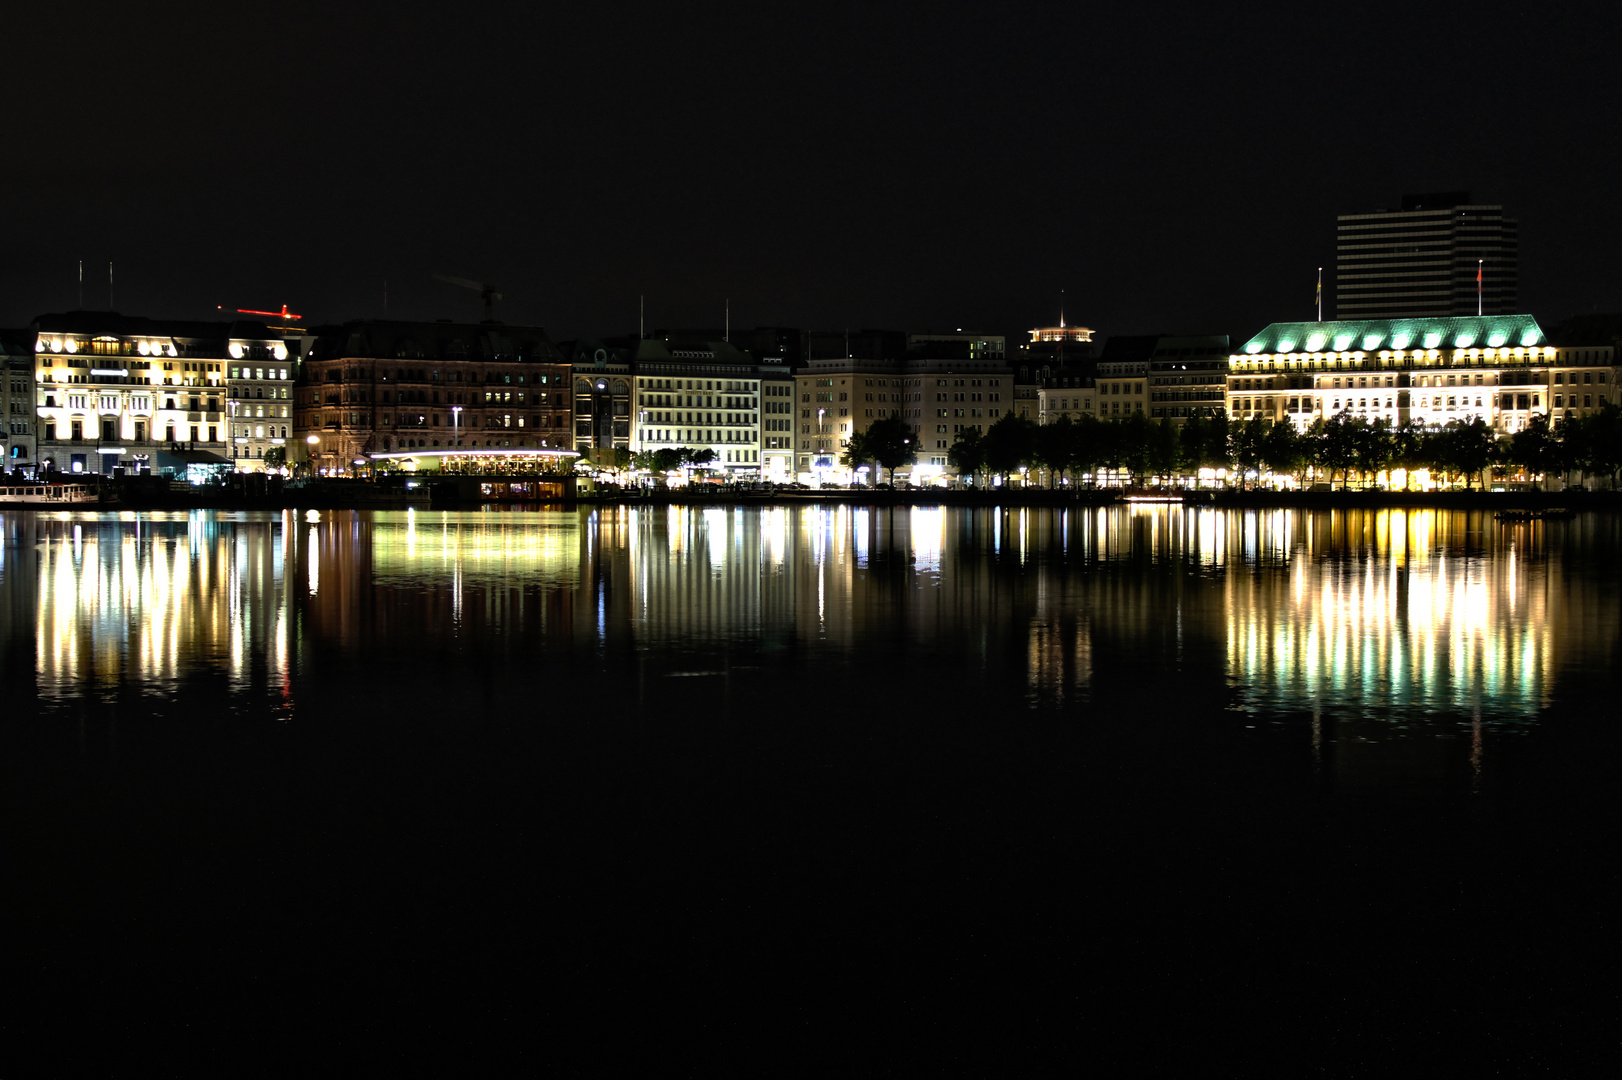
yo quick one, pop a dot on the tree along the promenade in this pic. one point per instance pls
(275, 457)
(1534, 448)
(1217, 452)
(1010, 443)
(1573, 448)
(1054, 448)
(1284, 451)
(1132, 435)
(1247, 446)
(671, 458)
(1088, 447)
(967, 457)
(1338, 447)
(1337, 452)
(892, 443)
(1163, 449)
(1372, 447)
(1463, 448)
(1204, 444)
(1605, 441)
(1408, 450)
(1593, 443)
(1191, 444)
(856, 453)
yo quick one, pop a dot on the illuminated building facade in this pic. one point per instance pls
(1501, 369)
(1421, 261)
(938, 398)
(1188, 376)
(259, 401)
(1582, 381)
(710, 395)
(17, 400)
(1121, 387)
(377, 386)
(1063, 401)
(1170, 378)
(114, 391)
(658, 393)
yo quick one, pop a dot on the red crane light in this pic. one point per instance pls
(282, 314)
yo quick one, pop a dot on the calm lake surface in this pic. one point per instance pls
(814, 788)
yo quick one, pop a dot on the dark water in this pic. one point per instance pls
(809, 791)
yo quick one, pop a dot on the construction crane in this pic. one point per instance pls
(489, 292)
(285, 315)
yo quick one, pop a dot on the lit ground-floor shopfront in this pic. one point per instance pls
(521, 475)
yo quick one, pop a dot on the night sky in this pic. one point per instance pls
(1172, 168)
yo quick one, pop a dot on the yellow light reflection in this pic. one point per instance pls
(123, 599)
(1372, 622)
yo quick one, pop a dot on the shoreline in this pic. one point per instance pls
(385, 499)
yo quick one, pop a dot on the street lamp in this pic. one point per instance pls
(313, 441)
(456, 424)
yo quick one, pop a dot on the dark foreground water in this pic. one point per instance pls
(809, 791)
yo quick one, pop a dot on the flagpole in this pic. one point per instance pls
(1479, 264)
(1320, 294)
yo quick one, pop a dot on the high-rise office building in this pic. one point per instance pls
(1439, 256)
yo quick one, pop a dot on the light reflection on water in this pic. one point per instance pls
(147, 601)
(1395, 619)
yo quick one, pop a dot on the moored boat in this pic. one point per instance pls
(48, 494)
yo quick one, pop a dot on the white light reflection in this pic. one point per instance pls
(928, 537)
(1394, 635)
(125, 602)
(313, 554)
(715, 535)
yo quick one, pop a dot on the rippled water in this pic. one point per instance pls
(749, 745)
(1397, 620)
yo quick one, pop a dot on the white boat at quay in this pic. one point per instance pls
(47, 494)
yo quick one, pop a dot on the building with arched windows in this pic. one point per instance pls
(1502, 369)
(114, 391)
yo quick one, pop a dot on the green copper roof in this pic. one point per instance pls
(1374, 335)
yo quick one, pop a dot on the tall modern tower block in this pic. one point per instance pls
(1423, 260)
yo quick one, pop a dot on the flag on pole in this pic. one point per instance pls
(1479, 264)
(1319, 298)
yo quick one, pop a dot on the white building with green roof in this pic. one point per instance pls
(1496, 367)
